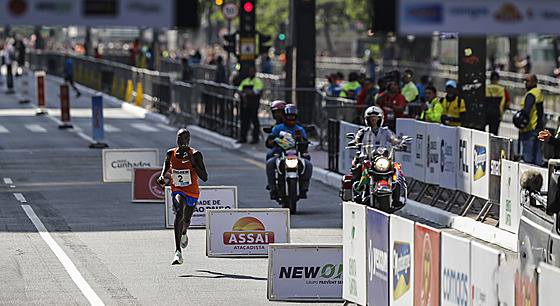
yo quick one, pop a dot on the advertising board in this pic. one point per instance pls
(480, 164)
(500, 148)
(210, 197)
(464, 159)
(432, 154)
(377, 257)
(448, 157)
(354, 253)
(455, 288)
(426, 265)
(401, 264)
(547, 285)
(302, 272)
(144, 185)
(118, 163)
(405, 127)
(245, 232)
(485, 263)
(510, 208)
(419, 150)
(346, 156)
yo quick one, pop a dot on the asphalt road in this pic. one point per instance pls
(121, 249)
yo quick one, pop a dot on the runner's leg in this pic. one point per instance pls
(180, 204)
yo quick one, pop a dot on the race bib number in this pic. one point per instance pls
(182, 178)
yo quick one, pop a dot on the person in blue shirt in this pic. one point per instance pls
(289, 126)
(334, 88)
(69, 73)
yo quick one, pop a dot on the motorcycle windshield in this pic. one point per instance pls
(369, 143)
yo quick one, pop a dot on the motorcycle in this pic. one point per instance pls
(289, 166)
(376, 180)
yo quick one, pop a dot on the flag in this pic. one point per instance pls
(364, 180)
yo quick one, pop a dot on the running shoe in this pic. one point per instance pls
(184, 240)
(178, 259)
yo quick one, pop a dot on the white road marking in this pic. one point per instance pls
(110, 128)
(35, 128)
(144, 127)
(8, 180)
(20, 197)
(3, 129)
(76, 276)
(166, 127)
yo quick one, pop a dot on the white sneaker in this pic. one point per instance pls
(184, 240)
(178, 259)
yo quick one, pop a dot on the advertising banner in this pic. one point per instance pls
(506, 278)
(40, 89)
(481, 164)
(210, 197)
(354, 253)
(401, 265)
(245, 232)
(510, 207)
(433, 151)
(455, 270)
(118, 163)
(419, 150)
(298, 272)
(405, 127)
(378, 257)
(485, 262)
(500, 148)
(448, 157)
(547, 288)
(97, 117)
(506, 17)
(526, 287)
(144, 185)
(472, 64)
(426, 265)
(464, 159)
(345, 156)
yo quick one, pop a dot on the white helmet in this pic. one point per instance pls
(373, 111)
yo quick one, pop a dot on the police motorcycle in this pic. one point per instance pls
(376, 180)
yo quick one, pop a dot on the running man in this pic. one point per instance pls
(187, 166)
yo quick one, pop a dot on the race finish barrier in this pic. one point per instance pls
(389, 260)
(245, 232)
(119, 163)
(303, 272)
(211, 197)
(454, 163)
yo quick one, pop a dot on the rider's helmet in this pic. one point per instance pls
(290, 109)
(373, 112)
(277, 109)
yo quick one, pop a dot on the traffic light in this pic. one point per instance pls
(231, 43)
(247, 18)
(281, 36)
(263, 39)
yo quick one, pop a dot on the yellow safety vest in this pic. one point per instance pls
(533, 117)
(454, 109)
(495, 91)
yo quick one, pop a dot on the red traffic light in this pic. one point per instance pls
(248, 7)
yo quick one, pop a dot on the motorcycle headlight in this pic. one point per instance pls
(291, 162)
(382, 164)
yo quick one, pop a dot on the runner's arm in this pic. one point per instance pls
(166, 165)
(198, 164)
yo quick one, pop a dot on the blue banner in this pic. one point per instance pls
(378, 257)
(97, 117)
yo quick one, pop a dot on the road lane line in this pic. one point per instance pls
(8, 181)
(76, 276)
(166, 127)
(144, 127)
(35, 128)
(20, 197)
(110, 128)
(3, 129)
(254, 162)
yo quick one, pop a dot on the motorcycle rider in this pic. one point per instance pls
(277, 110)
(290, 126)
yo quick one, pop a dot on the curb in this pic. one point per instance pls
(215, 138)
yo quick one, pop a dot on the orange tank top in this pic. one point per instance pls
(183, 175)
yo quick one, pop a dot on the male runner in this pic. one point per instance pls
(186, 166)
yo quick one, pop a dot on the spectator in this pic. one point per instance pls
(187, 71)
(267, 65)
(496, 101)
(334, 88)
(371, 67)
(97, 54)
(69, 73)
(393, 104)
(381, 87)
(196, 58)
(424, 82)
(350, 90)
(409, 91)
(454, 108)
(546, 136)
(372, 92)
(532, 108)
(250, 91)
(7, 60)
(432, 108)
(20, 48)
(220, 76)
(366, 90)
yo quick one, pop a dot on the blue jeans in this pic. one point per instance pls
(531, 147)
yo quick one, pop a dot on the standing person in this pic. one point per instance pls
(410, 93)
(351, 89)
(424, 83)
(334, 88)
(8, 57)
(432, 108)
(69, 73)
(546, 136)
(454, 108)
(187, 166)
(393, 104)
(496, 101)
(20, 47)
(220, 76)
(367, 90)
(532, 108)
(250, 91)
(187, 71)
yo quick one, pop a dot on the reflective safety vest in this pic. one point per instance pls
(454, 109)
(495, 98)
(434, 112)
(533, 116)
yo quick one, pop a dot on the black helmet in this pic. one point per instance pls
(373, 111)
(520, 120)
